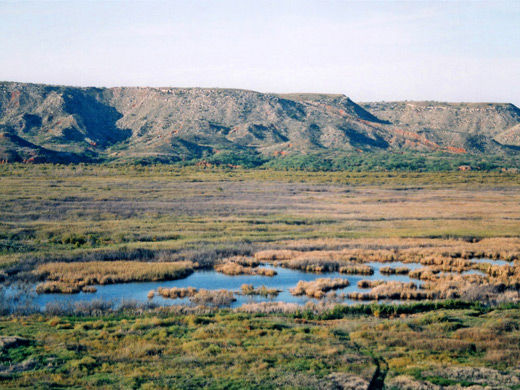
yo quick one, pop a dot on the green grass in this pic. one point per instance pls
(73, 211)
(170, 213)
(228, 349)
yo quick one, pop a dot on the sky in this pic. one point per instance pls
(368, 50)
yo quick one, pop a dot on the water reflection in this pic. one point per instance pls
(212, 280)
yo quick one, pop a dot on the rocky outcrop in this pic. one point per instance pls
(172, 124)
(473, 127)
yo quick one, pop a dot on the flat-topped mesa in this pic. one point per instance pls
(174, 124)
(479, 126)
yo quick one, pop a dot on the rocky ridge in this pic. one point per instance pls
(41, 123)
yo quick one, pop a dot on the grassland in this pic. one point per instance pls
(50, 213)
(88, 219)
(223, 349)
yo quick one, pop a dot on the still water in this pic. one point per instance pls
(212, 280)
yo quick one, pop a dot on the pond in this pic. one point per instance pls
(212, 280)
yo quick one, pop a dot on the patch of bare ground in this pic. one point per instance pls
(7, 342)
(478, 375)
(404, 382)
(471, 378)
(345, 381)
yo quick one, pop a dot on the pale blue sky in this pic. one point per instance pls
(368, 50)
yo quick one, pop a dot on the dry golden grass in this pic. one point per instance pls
(317, 288)
(310, 264)
(428, 250)
(216, 298)
(58, 288)
(177, 292)
(319, 265)
(356, 269)
(393, 290)
(269, 255)
(265, 272)
(232, 269)
(501, 284)
(394, 271)
(248, 289)
(369, 283)
(244, 261)
(423, 274)
(333, 221)
(71, 277)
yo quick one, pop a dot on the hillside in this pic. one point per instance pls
(472, 126)
(16, 149)
(62, 123)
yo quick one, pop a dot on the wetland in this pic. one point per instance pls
(172, 277)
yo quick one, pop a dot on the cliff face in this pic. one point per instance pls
(56, 122)
(472, 126)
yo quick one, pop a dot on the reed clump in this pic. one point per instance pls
(72, 277)
(244, 261)
(317, 288)
(427, 251)
(177, 292)
(447, 262)
(213, 298)
(475, 287)
(319, 265)
(275, 254)
(394, 290)
(232, 269)
(394, 271)
(423, 274)
(265, 272)
(269, 308)
(500, 271)
(369, 283)
(356, 269)
(63, 288)
(57, 288)
(249, 289)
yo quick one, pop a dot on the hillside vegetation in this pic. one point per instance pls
(41, 123)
